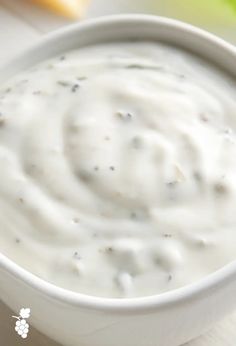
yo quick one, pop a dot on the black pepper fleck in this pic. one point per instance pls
(74, 88)
(62, 58)
(112, 168)
(124, 115)
(17, 240)
(96, 168)
(76, 255)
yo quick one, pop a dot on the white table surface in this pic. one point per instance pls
(21, 25)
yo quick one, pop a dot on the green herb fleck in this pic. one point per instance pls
(133, 215)
(8, 90)
(143, 67)
(37, 92)
(220, 188)
(109, 249)
(172, 184)
(50, 66)
(75, 220)
(2, 120)
(63, 83)
(84, 176)
(197, 176)
(137, 142)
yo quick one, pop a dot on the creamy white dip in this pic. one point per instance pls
(118, 169)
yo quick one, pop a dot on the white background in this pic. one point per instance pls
(21, 25)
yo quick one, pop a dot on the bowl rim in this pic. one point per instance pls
(202, 287)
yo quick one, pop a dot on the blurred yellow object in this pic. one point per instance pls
(68, 8)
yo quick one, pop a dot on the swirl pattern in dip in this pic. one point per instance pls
(118, 169)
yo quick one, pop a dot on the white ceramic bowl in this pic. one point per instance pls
(75, 319)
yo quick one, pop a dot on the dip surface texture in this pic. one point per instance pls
(117, 169)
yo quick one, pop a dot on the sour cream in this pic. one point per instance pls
(118, 166)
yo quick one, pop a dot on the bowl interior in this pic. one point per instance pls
(111, 29)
